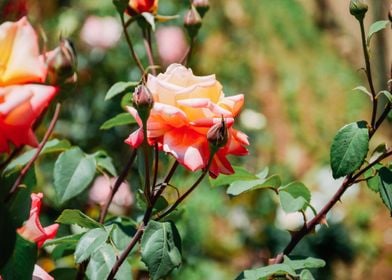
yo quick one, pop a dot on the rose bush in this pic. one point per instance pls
(22, 100)
(142, 6)
(185, 108)
(32, 229)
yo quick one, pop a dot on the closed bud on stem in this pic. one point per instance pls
(358, 8)
(192, 22)
(143, 102)
(62, 63)
(217, 135)
(202, 6)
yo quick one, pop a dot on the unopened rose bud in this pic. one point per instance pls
(143, 101)
(217, 135)
(202, 6)
(358, 8)
(192, 22)
(62, 63)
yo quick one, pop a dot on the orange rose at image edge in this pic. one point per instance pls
(185, 108)
(21, 99)
(142, 6)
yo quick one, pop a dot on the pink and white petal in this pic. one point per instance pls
(220, 165)
(135, 139)
(41, 274)
(171, 115)
(42, 95)
(135, 114)
(208, 122)
(188, 147)
(13, 98)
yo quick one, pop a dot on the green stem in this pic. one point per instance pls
(148, 46)
(147, 186)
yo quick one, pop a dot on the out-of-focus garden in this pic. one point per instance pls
(297, 63)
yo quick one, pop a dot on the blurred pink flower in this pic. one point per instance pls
(101, 32)
(41, 274)
(32, 229)
(100, 190)
(167, 38)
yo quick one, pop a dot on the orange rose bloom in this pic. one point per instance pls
(185, 108)
(21, 99)
(142, 6)
(32, 230)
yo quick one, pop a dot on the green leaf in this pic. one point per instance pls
(121, 6)
(19, 206)
(240, 187)
(385, 176)
(376, 27)
(294, 197)
(101, 263)
(364, 90)
(105, 162)
(387, 94)
(150, 19)
(120, 119)
(89, 243)
(21, 264)
(69, 240)
(306, 275)
(161, 248)
(349, 148)
(120, 88)
(52, 146)
(119, 237)
(372, 178)
(240, 174)
(8, 236)
(264, 272)
(73, 216)
(73, 172)
(287, 267)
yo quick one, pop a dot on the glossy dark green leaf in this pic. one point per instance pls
(294, 197)
(21, 264)
(118, 120)
(8, 235)
(89, 243)
(73, 216)
(161, 248)
(19, 206)
(120, 88)
(73, 172)
(385, 176)
(349, 149)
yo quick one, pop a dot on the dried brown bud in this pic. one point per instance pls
(202, 6)
(192, 22)
(62, 63)
(143, 101)
(358, 8)
(217, 135)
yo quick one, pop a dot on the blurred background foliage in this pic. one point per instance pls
(297, 63)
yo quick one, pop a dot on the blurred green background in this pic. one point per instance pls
(297, 63)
